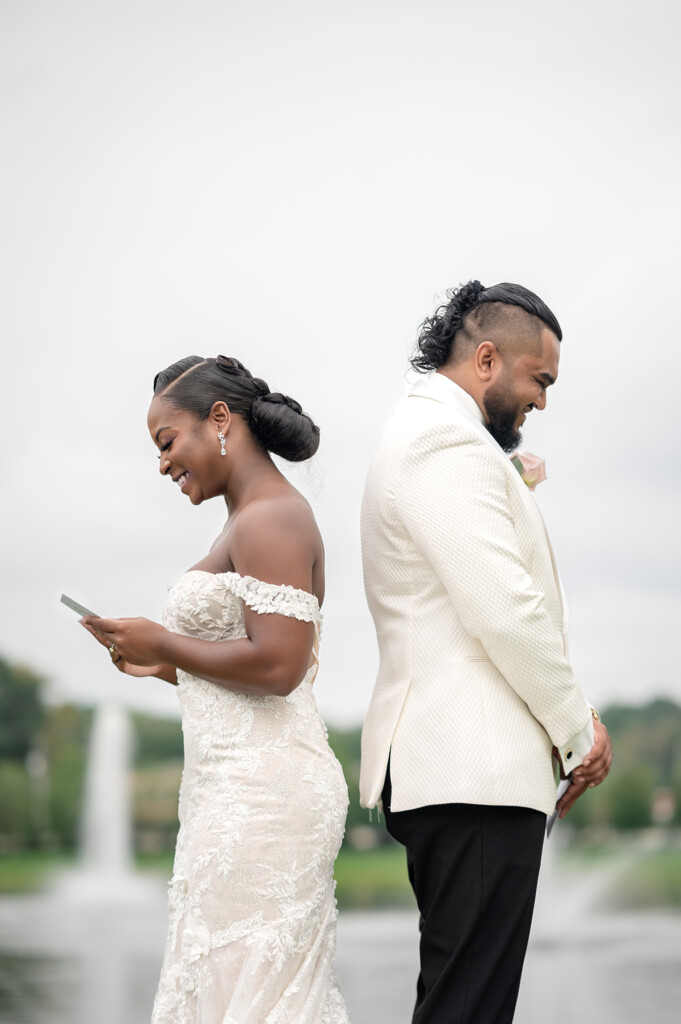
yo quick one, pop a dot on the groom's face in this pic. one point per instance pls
(520, 386)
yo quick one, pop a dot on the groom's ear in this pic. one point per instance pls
(487, 361)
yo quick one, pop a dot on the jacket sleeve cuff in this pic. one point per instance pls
(574, 750)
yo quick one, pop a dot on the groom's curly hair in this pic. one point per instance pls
(487, 309)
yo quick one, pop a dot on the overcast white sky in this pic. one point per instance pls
(297, 185)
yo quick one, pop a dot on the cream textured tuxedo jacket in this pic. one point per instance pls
(474, 685)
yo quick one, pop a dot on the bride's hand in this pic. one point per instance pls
(138, 671)
(138, 643)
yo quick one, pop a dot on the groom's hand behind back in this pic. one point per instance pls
(591, 772)
(596, 764)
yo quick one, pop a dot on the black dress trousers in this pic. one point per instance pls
(473, 869)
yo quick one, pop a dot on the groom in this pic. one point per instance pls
(474, 692)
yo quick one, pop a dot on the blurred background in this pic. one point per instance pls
(297, 185)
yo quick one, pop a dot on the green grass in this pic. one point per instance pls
(28, 872)
(583, 856)
(652, 882)
(378, 878)
(373, 878)
(160, 864)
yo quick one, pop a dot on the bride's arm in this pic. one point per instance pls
(274, 546)
(271, 659)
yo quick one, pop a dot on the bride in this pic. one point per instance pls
(252, 914)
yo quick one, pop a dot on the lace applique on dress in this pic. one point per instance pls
(271, 598)
(252, 913)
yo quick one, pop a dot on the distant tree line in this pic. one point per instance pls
(42, 760)
(43, 751)
(646, 770)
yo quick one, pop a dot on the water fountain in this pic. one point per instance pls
(105, 872)
(107, 835)
(90, 947)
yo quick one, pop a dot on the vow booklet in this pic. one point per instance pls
(79, 608)
(550, 818)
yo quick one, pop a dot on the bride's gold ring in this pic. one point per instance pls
(112, 650)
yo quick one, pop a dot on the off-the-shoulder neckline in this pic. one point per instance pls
(252, 579)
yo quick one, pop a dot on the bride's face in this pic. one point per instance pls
(189, 450)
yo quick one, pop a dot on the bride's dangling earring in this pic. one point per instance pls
(221, 438)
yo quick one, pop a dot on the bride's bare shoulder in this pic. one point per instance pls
(273, 536)
(276, 515)
(277, 539)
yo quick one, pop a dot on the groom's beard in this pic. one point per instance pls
(501, 405)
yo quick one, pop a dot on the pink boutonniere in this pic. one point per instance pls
(532, 469)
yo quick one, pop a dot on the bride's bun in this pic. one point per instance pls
(276, 421)
(283, 428)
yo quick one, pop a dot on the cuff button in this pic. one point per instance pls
(568, 755)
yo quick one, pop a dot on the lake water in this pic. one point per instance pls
(622, 970)
(63, 961)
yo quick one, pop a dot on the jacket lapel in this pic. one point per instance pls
(439, 388)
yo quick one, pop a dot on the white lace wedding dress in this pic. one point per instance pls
(252, 913)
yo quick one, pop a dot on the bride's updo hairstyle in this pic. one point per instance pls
(276, 421)
(475, 310)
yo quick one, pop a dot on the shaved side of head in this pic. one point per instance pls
(509, 315)
(511, 330)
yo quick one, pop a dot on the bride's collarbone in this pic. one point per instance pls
(218, 559)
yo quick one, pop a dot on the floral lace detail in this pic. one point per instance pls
(271, 598)
(252, 913)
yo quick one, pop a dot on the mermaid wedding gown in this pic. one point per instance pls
(252, 913)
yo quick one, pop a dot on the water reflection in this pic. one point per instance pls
(66, 963)
(621, 970)
(76, 966)
(32, 989)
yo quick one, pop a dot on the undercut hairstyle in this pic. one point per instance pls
(475, 313)
(276, 421)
